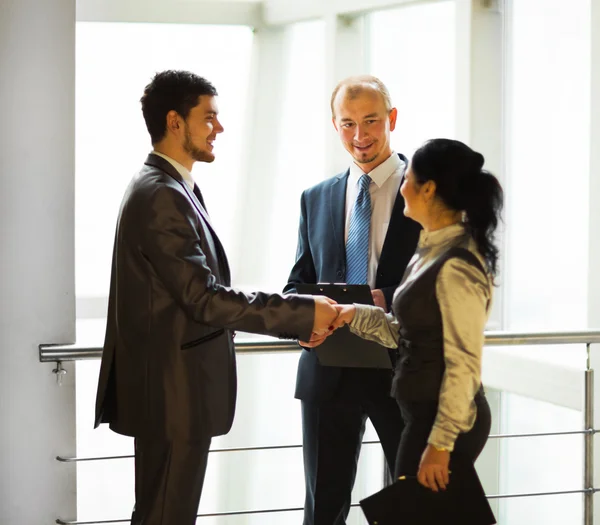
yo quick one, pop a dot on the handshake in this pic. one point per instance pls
(329, 316)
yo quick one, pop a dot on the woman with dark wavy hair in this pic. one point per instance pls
(440, 311)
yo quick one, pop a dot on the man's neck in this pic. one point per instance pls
(176, 154)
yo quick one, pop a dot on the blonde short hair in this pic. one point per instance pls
(356, 85)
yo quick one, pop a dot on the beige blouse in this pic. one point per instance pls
(464, 296)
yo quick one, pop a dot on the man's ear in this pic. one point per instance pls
(173, 124)
(393, 116)
(334, 123)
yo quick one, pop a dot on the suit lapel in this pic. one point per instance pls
(219, 250)
(337, 207)
(213, 239)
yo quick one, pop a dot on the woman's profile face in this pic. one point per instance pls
(413, 200)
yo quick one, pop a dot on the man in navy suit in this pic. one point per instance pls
(336, 402)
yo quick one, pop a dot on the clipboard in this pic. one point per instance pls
(343, 348)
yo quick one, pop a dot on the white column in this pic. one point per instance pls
(479, 91)
(264, 134)
(594, 227)
(594, 193)
(479, 77)
(37, 304)
(480, 67)
(479, 109)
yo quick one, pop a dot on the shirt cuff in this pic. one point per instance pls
(361, 313)
(442, 438)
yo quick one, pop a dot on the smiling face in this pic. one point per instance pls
(200, 130)
(413, 205)
(420, 201)
(364, 124)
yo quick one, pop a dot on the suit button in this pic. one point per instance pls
(339, 274)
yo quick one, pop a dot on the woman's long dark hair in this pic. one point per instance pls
(463, 185)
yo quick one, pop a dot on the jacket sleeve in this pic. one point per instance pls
(464, 295)
(303, 270)
(172, 245)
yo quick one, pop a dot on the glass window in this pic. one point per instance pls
(412, 50)
(546, 242)
(547, 165)
(114, 61)
(536, 465)
(297, 111)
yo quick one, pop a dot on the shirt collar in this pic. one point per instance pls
(181, 169)
(428, 239)
(382, 172)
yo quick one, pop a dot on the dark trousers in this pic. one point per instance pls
(332, 436)
(419, 418)
(168, 481)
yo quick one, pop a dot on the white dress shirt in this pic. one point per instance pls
(384, 188)
(181, 169)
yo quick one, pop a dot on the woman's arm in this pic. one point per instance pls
(463, 293)
(373, 324)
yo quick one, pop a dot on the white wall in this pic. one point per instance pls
(231, 12)
(37, 302)
(288, 11)
(594, 220)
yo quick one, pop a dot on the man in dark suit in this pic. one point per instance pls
(168, 375)
(352, 229)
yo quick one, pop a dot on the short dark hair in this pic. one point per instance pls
(171, 90)
(463, 185)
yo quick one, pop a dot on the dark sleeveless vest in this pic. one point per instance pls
(420, 364)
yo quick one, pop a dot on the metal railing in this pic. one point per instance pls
(74, 352)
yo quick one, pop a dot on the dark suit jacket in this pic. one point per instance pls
(168, 365)
(321, 257)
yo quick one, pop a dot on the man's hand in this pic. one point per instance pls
(345, 314)
(379, 299)
(433, 470)
(325, 314)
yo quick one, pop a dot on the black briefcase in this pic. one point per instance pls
(407, 502)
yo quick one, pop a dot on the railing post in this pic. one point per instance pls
(588, 468)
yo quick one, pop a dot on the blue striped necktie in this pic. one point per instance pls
(357, 245)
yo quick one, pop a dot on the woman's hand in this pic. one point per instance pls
(345, 315)
(315, 340)
(433, 470)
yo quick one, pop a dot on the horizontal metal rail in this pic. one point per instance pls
(64, 459)
(299, 509)
(536, 494)
(75, 352)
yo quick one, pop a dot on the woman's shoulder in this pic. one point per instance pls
(463, 267)
(465, 253)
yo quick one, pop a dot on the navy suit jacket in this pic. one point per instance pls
(321, 258)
